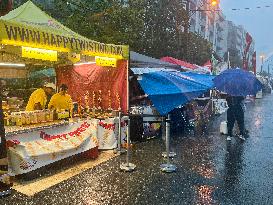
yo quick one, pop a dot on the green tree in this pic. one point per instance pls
(163, 35)
(152, 27)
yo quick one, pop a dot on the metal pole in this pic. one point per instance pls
(163, 129)
(168, 154)
(128, 143)
(128, 167)
(262, 64)
(187, 27)
(228, 60)
(119, 131)
(128, 85)
(168, 142)
(188, 15)
(168, 167)
(119, 149)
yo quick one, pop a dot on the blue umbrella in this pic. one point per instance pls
(237, 82)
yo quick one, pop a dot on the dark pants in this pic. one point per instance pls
(136, 128)
(235, 113)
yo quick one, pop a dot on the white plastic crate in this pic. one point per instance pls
(223, 128)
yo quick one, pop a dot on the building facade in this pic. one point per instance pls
(241, 42)
(210, 23)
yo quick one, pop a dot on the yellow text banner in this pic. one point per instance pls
(17, 34)
(40, 54)
(105, 61)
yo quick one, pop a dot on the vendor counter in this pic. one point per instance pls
(30, 148)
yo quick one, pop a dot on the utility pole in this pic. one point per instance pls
(188, 16)
(228, 60)
(262, 58)
(187, 27)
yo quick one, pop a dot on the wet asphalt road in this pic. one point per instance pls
(210, 171)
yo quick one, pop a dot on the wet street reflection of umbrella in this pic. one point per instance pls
(237, 82)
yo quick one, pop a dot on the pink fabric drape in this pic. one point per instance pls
(178, 62)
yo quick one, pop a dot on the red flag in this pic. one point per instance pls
(248, 38)
(254, 62)
(248, 43)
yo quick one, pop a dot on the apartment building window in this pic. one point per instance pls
(203, 15)
(202, 31)
(211, 36)
(192, 6)
(192, 25)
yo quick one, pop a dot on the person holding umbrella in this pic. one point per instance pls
(237, 84)
(235, 112)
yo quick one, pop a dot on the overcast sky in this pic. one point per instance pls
(259, 22)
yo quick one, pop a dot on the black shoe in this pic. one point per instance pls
(228, 138)
(241, 137)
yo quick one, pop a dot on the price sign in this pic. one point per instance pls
(105, 61)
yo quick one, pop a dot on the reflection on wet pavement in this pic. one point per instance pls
(204, 194)
(210, 171)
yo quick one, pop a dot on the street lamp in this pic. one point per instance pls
(262, 59)
(269, 67)
(214, 3)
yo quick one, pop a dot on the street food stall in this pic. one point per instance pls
(97, 77)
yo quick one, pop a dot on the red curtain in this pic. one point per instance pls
(91, 77)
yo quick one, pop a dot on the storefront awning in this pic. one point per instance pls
(29, 26)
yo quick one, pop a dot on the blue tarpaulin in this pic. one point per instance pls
(50, 72)
(168, 90)
(204, 79)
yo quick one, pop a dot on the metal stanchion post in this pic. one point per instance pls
(128, 167)
(171, 154)
(168, 167)
(119, 149)
(163, 128)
